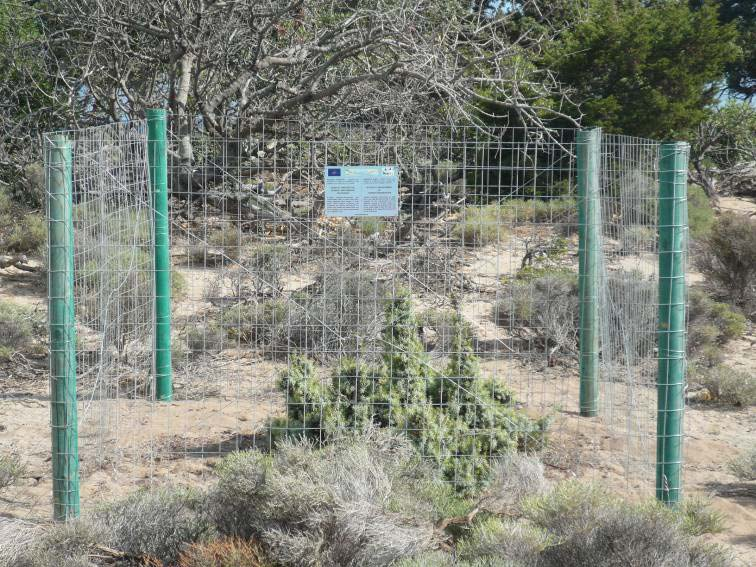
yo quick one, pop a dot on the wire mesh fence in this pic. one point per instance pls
(455, 320)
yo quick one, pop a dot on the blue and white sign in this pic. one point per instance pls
(361, 191)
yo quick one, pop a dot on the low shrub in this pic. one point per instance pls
(454, 416)
(340, 313)
(497, 542)
(726, 385)
(711, 324)
(590, 527)
(698, 517)
(11, 470)
(744, 466)
(370, 226)
(157, 523)
(68, 544)
(727, 258)
(488, 224)
(549, 210)
(480, 225)
(18, 326)
(700, 213)
(636, 238)
(542, 308)
(205, 337)
(263, 268)
(28, 235)
(336, 505)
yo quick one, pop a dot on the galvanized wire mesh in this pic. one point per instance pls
(455, 321)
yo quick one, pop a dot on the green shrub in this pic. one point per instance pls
(548, 210)
(28, 235)
(726, 385)
(480, 225)
(453, 415)
(698, 517)
(700, 213)
(711, 324)
(158, 523)
(744, 466)
(205, 337)
(497, 542)
(18, 325)
(489, 223)
(370, 226)
(727, 258)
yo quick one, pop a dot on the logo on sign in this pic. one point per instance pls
(334, 172)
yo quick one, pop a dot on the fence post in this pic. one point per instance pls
(63, 411)
(589, 218)
(158, 173)
(673, 233)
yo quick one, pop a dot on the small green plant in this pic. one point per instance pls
(698, 517)
(700, 213)
(481, 225)
(726, 385)
(744, 466)
(370, 226)
(454, 415)
(11, 470)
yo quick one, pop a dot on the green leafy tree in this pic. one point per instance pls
(643, 68)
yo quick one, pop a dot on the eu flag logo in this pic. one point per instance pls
(334, 172)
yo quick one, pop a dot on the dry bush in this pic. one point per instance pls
(727, 257)
(513, 477)
(744, 466)
(18, 325)
(727, 385)
(225, 552)
(70, 544)
(11, 469)
(17, 538)
(157, 523)
(542, 309)
(711, 324)
(332, 506)
(28, 235)
(590, 527)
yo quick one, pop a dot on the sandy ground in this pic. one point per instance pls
(224, 401)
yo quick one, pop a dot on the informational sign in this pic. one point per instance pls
(362, 191)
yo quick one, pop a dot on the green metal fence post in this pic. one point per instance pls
(673, 233)
(589, 217)
(158, 170)
(63, 411)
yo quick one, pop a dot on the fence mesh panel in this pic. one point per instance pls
(455, 321)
